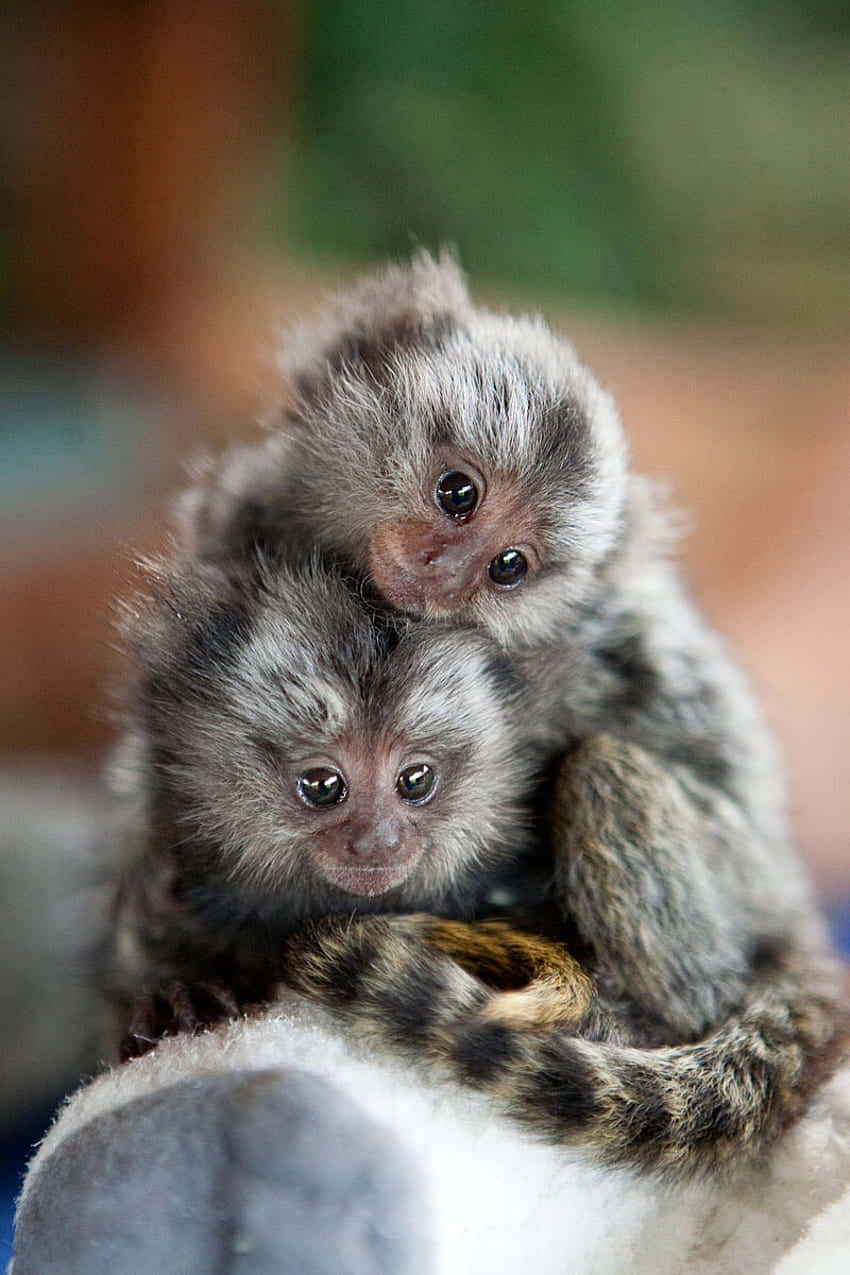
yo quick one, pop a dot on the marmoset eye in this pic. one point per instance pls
(457, 494)
(321, 787)
(416, 783)
(509, 568)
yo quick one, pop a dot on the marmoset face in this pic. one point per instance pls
(305, 739)
(464, 464)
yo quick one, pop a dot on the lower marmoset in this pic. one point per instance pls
(294, 753)
(311, 775)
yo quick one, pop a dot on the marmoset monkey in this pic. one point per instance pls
(468, 469)
(292, 753)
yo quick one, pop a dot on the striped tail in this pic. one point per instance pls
(682, 1111)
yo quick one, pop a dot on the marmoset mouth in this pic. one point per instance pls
(369, 881)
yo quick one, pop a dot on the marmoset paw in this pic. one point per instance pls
(177, 1007)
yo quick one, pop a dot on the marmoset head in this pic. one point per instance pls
(308, 745)
(463, 462)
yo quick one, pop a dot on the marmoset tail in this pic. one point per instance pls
(681, 1111)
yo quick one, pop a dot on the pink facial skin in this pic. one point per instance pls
(436, 564)
(369, 842)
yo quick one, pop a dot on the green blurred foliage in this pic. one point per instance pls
(686, 154)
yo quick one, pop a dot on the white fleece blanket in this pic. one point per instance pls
(504, 1203)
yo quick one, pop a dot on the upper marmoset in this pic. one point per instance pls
(467, 469)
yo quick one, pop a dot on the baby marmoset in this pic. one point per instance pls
(293, 754)
(468, 469)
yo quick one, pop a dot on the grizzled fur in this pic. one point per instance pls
(674, 876)
(238, 678)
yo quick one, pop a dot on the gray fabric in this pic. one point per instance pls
(53, 907)
(246, 1173)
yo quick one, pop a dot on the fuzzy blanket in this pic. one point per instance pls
(479, 1195)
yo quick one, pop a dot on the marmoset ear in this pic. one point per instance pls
(386, 311)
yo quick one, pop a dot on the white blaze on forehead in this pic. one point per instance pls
(281, 673)
(444, 387)
(529, 368)
(448, 687)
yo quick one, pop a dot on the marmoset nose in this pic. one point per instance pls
(430, 550)
(373, 844)
(416, 565)
(430, 555)
(447, 564)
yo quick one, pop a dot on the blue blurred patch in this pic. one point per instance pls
(839, 919)
(16, 1148)
(66, 436)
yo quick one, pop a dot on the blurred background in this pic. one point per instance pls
(669, 181)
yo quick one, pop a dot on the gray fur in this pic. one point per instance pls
(237, 679)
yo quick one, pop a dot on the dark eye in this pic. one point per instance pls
(457, 494)
(509, 568)
(321, 787)
(416, 783)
